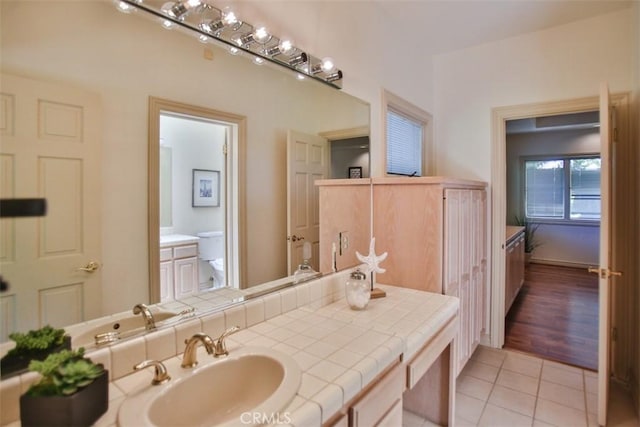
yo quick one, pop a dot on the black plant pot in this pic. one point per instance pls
(15, 364)
(82, 408)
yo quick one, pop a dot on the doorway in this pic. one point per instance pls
(196, 191)
(553, 190)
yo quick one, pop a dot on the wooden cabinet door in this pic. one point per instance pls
(185, 277)
(166, 281)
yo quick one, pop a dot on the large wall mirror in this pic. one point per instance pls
(77, 79)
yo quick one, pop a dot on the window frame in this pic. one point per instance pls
(404, 108)
(566, 158)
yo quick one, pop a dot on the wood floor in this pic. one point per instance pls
(555, 316)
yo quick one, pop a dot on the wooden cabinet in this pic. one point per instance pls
(435, 232)
(379, 405)
(514, 269)
(178, 271)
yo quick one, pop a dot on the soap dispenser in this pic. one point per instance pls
(304, 271)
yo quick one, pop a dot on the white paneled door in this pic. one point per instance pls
(307, 160)
(51, 137)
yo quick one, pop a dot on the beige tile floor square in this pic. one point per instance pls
(504, 388)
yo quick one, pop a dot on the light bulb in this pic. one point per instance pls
(328, 66)
(286, 47)
(124, 7)
(261, 35)
(228, 16)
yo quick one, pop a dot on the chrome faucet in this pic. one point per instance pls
(190, 359)
(160, 376)
(220, 347)
(149, 322)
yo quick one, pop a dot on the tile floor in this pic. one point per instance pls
(504, 388)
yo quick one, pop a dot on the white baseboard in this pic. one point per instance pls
(562, 263)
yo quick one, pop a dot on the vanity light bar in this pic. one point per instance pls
(222, 26)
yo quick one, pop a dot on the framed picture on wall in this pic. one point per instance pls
(205, 188)
(355, 172)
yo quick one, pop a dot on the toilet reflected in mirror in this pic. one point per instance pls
(211, 251)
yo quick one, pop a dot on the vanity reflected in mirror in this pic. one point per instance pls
(77, 79)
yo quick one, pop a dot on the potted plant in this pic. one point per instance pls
(530, 241)
(73, 391)
(34, 345)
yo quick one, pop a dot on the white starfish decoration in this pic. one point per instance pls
(372, 261)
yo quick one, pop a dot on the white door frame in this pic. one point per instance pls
(499, 191)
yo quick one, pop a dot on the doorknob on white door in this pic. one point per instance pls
(294, 238)
(90, 267)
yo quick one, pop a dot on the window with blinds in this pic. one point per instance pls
(404, 144)
(563, 189)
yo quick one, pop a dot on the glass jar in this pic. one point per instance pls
(357, 290)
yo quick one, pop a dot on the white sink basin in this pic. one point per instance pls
(249, 381)
(126, 325)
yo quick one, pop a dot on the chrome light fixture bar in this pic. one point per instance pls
(223, 27)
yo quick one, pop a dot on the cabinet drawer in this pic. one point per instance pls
(185, 251)
(393, 417)
(369, 410)
(420, 364)
(165, 254)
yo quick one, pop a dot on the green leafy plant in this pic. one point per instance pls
(40, 339)
(530, 228)
(63, 373)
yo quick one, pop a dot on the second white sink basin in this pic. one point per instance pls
(226, 392)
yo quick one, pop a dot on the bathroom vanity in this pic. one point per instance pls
(178, 266)
(514, 265)
(358, 368)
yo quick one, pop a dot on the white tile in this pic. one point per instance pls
(344, 358)
(563, 377)
(262, 341)
(474, 387)
(302, 296)
(520, 382)
(213, 324)
(284, 348)
(513, 400)
(244, 336)
(592, 403)
(254, 311)
(309, 414)
(562, 366)
(289, 300)
(135, 382)
(563, 395)
(481, 371)
(103, 356)
(326, 370)
(495, 416)
(321, 349)
(523, 365)
(186, 330)
(127, 354)
(559, 415)
(109, 418)
(590, 383)
(305, 360)
(350, 382)
(310, 386)
(272, 306)
(235, 316)
(469, 408)
(299, 341)
(316, 332)
(409, 419)
(330, 400)
(368, 368)
(161, 344)
(489, 356)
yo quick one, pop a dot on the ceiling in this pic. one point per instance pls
(444, 26)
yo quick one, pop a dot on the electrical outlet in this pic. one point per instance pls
(343, 241)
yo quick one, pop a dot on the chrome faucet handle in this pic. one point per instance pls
(220, 347)
(160, 376)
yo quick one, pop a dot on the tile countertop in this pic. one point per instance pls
(339, 350)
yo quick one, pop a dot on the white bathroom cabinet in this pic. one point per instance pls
(178, 271)
(514, 267)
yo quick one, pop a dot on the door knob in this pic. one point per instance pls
(604, 273)
(295, 238)
(90, 267)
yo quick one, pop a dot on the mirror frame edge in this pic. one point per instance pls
(156, 105)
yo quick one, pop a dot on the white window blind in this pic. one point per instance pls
(404, 145)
